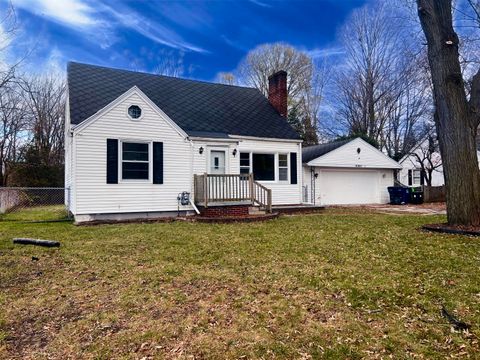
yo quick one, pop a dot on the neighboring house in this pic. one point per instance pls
(347, 172)
(135, 141)
(423, 165)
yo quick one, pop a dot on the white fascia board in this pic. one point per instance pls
(241, 137)
(199, 138)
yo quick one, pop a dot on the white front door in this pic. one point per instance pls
(217, 162)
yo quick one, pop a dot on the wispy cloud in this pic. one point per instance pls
(154, 31)
(233, 43)
(101, 22)
(320, 53)
(76, 13)
(55, 60)
(260, 3)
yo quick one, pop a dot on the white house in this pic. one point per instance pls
(347, 172)
(412, 174)
(135, 141)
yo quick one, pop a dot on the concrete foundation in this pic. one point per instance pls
(83, 218)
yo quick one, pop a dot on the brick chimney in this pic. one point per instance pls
(277, 91)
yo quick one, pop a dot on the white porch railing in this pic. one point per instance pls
(210, 189)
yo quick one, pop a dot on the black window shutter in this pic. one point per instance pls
(293, 168)
(410, 177)
(112, 161)
(422, 177)
(158, 163)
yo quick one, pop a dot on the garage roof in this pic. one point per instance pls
(315, 151)
(351, 153)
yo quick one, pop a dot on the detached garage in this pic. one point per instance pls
(347, 172)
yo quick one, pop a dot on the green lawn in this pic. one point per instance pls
(37, 213)
(341, 284)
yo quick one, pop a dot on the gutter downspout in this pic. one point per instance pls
(192, 202)
(192, 185)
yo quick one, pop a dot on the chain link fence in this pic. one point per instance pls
(34, 204)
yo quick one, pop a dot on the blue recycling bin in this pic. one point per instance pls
(399, 195)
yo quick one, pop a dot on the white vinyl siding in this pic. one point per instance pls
(347, 156)
(95, 196)
(283, 193)
(91, 194)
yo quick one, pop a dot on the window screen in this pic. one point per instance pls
(283, 167)
(135, 163)
(417, 176)
(244, 163)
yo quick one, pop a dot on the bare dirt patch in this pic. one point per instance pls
(421, 209)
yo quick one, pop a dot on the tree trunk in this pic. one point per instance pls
(429, 176)
(456, 120)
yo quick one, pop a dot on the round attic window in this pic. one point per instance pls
(134, 112)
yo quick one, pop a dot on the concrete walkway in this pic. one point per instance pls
(423, 209)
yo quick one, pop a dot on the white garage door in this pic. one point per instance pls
(341, 187)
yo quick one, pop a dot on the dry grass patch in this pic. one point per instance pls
(341, 284)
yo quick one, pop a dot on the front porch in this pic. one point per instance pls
(231, 190)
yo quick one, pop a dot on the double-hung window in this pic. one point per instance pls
(417, 176)
(282, 167)
(135, 161)
(244, 163)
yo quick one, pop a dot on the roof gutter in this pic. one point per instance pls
(240, 137)
(200, 138)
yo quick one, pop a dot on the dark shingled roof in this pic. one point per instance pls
(315, 151)
(197, 107)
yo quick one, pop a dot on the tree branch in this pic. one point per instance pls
(475, 99)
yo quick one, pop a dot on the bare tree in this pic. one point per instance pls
(411, 112)
(226, 78)
(12, 107)
(457, 116)
(427, 156)
(12, 129)
(368, 83)
(170, 64)
(309, 104)
(475, 7)
(305, 82)
(267, 59)
(8, 27)
(45, 100)
(382, 92)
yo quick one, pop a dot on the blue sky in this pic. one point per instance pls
(210, 36)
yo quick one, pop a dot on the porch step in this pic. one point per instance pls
(255, 210)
